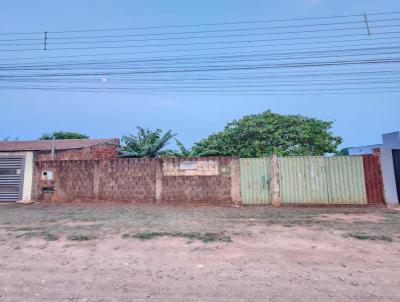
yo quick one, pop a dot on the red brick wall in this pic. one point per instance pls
(199, 189)
(125, 179)
(73, 180)
(138, 180)
(101, 151)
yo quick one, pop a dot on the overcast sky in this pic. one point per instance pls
(359, 118)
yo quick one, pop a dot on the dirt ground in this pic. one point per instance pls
(159, 253)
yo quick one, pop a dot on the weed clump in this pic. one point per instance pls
(80, 237)
(205, 237)
(50, 237)
(362, 236)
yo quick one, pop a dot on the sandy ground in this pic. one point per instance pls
(266, 261)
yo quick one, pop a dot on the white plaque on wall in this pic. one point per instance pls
(188, 165)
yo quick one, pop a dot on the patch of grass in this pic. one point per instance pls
(363, 236)
(205, 237)
(80, 237)
(29, 234)
(28, 229)
(50, 237)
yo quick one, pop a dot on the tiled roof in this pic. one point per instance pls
(61, 144)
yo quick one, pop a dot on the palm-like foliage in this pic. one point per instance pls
(146, 143)
(184, 152)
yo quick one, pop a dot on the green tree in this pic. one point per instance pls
(344, 151)
(184, 152)
(62, 135)
(266, 133)
(146, 143)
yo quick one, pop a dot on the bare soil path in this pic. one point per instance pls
(151, 253)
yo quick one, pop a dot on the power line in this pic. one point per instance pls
(258, 76)
(196, 43)
(203, 24)
(182, 26)
(235, 93)
(195, 32)
(225, 68)
(175, 64)
(340, 65)
(216, 31)
(204, 37)
(215, 89)
(375, 39)
(230, 84)
(199, 37)
(201, 59)
(220, 57)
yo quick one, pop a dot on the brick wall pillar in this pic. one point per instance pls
(159, 174)
(96, 179)
(235, 181)
(275, 182)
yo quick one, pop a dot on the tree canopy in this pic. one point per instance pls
(62, 135)
(146, 143)
(344, 151)
(266, 133)
(185, 152)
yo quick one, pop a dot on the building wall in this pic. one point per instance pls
(96, 152)
(173, 181)
(28, 173)
(388, 176)
(391, 140)
(363, 149)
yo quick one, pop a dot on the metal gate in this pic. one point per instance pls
(396, 165)
(11, 178)
(322, 180)
(255, 181)
(303, 180)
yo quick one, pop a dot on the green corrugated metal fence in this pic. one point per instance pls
(305, 180)
(255, 180)
(346, 183)
(322, 180)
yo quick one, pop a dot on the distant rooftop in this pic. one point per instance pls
(60, 144)
(389, 140)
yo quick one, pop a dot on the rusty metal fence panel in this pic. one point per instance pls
(345, 180)
(303, 180)
(373, 180)
(255, 180)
